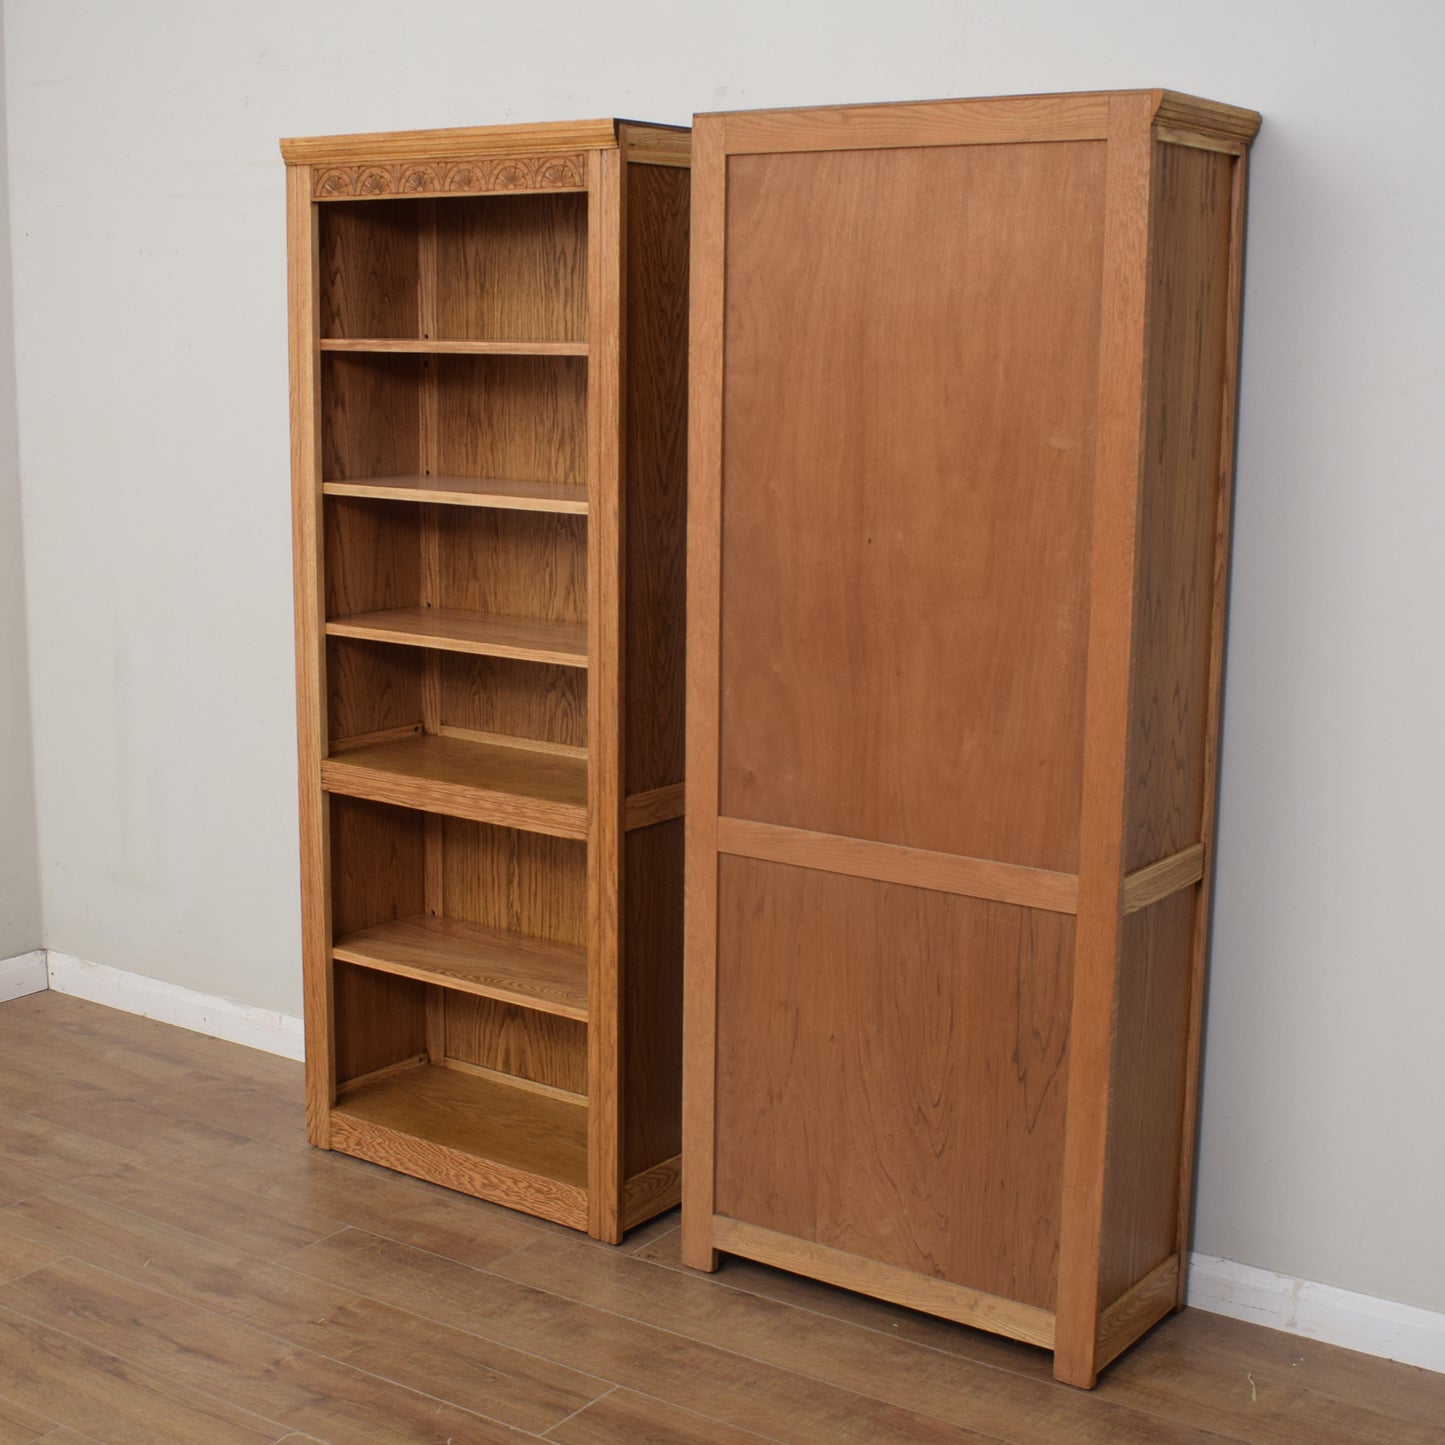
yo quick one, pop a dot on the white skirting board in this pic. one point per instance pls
(1298, 1306)
(1322, 1312)
(153, 998)
(25, 973)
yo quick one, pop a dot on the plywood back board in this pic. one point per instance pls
(929, 1139)
(908, 407)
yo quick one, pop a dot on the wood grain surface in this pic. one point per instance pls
(938, 621)
(466, 492)
(369, 270)
(903, 1141)
(655, 458)
(370, 420)
(1179, 497)
(534, 973)
(546, 1048)
(529, 700)
(652, 995)
(479, 1116)
(452, 630)
(487, 782)
(1141, 1180)
(520, 417)
(203, 1269)
(1121, 372)
(607, 664)
(512, 268)
(706, 312)
(512, 564)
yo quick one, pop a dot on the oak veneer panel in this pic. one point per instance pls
(380, 1020)
(515, 564)
(370, 418)
(1141, 1179)
(371, 689)
(372, 558)
(512, 268)
(652, 994)
(934, 618)
(368, 282)
(376, 864)
(1179, 499)
(466, 492)
(519, 417)
(521, 699)
(514, 881)
(487, 782)
(563, 643)
(543, 1047)
(905, 1142)
(515, 1127)
(655, 455)
(535, 973)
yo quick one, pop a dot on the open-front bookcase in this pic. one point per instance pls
(488, 409)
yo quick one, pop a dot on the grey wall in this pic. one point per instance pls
(151, 350)
(20, 929)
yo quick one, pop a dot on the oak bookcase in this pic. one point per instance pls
(963, 381)
(488, 364)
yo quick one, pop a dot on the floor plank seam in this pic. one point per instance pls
(753, 1359)
(547, 1433)
(609, 1385)
(146, 1370)
(286, 1341)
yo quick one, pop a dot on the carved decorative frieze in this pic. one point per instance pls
(440, 178)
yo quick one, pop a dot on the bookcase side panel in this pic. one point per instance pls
(1179, 501)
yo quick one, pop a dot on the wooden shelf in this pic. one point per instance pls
(503, 1124)
(467, 492)
(446, 628)
(516, 787)
(413, 346)
(532, 972)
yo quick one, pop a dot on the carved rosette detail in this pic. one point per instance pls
(426, 178)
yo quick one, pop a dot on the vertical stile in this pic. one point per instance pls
(309, 549)
(1218, 623)
(604, 693)
(1118, 462)
(704, 544)
(431, 711)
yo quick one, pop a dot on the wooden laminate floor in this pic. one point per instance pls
(177, 1265)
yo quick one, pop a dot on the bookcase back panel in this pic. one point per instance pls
(371, 688)
(521, 699)
(370, 416)
(380, 1018)
(932, 1139)
(538, 1046)
(513, 881)
(368, 279)
(918, 509)
(373, 556)
(1185, 403)
(522, 418)
(654, 575)
(652, 940)
(512, 268)
(518, 564)
(377, 855)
